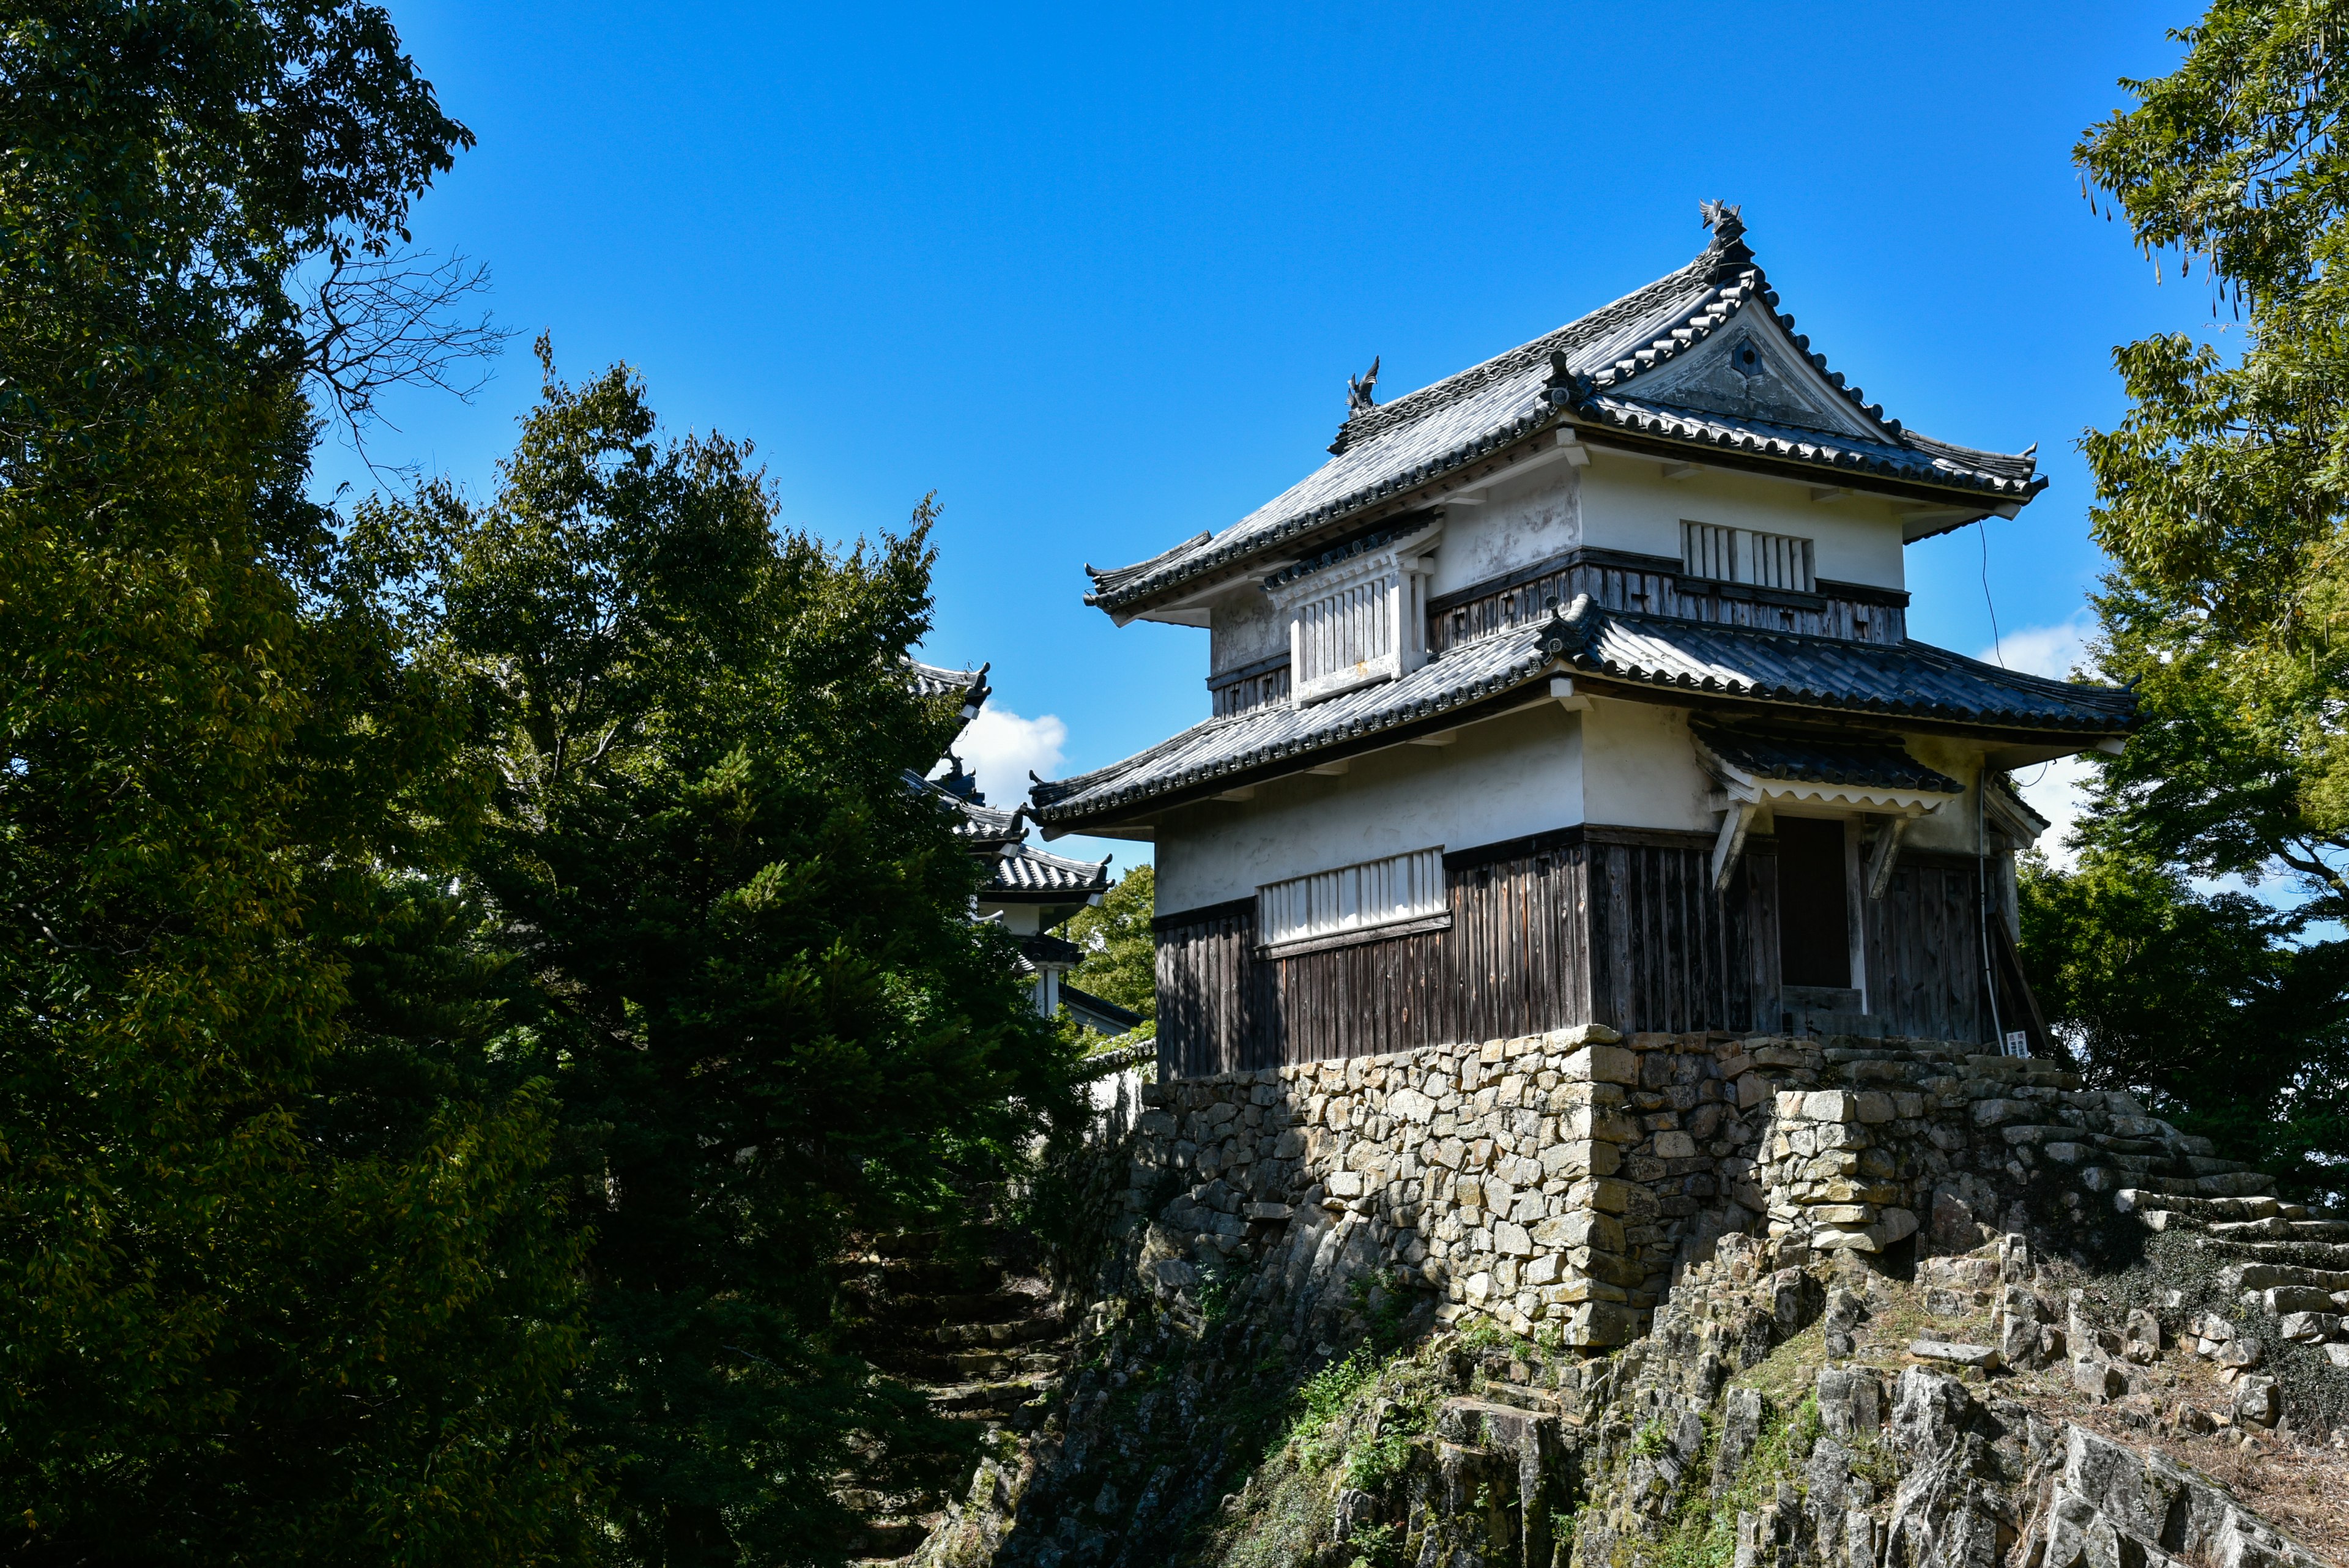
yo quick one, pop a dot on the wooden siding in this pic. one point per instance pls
(1654, 584)
(1925, 950)
(1670, 959)
(1527, 918)
(1252, 687)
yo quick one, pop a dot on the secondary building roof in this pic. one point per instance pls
(1699, 363)
(1737, 668)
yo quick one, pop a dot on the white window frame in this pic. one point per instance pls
(1393, 896)
(1361, 621)
(1718, 553)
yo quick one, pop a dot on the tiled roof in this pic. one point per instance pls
(1579, 374)
(1910, 679)
(1803, 760)
(1904, 680)
(1463, 675)
(1025, 871)
(936, 681)
(1100, 1011)
(976, 824)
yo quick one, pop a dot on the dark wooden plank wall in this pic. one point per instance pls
(1518, 958)
(1657, 588)
(1207, 983)
(1670, 959)
(1511, 962)
(1925, 949)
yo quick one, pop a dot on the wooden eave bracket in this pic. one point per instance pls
(1730, 841)
(1880, 859)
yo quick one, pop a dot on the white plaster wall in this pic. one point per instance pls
(1244, 627)
(1639, 768)
(1501, 779)
(1528, 520)
(1954, 828)
(1627, 504)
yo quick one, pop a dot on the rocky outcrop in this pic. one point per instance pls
(1680, 1300)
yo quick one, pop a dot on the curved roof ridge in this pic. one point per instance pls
(1425, 399)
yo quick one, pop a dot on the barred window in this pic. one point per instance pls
(1746, 555)
(1376, 894)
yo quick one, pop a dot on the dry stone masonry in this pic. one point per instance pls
(1559, 1179)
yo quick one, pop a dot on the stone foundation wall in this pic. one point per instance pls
(1556, 1182)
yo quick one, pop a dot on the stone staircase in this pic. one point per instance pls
(2292, 1265)
(970, 1321)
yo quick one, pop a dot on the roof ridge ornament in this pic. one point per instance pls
(1571, 629)
(1361, 399)
(1729, 251)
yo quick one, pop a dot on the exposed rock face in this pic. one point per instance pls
(1690, 1300)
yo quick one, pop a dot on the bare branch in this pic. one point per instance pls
(374, 323)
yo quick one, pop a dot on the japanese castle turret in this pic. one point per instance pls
(1026, 890)
(1577, 689)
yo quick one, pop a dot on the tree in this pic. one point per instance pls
(2203, 1004)
(2221, 494)
(279, 1280)
(739, 945)
(1121, 962)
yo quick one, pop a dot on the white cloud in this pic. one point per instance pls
(1001, 748)
(2058, 793)
(2050, 650)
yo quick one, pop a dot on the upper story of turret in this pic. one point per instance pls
(1682, 453)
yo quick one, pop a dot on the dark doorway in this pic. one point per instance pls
(1814, 904)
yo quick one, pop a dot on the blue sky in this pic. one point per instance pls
(1097, 277)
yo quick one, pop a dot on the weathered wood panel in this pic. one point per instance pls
(1925, 950)
(1611, 925)
(1654, 584)
(1206, 987)
(1668, 956)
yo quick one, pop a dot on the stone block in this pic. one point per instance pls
(2309, 1327)
(2099, 1379)
(1510, 1240)
(1981, 1355)
(1597, 1064)
(1410, 1105)
(1581, 1034)
(1344, 1184)
(1602, 1194)
(1266, 1212)
(2282, 1300)
(1875, 1107)
(1753, 1089)
(1787, 1104)
(1575, 1161)
(1581, 1228)
(2256, 1401)
(1675, 1146)
(1597, 1323)
(1831, 1105)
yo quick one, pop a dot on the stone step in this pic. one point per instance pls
(1541, 1402)
(998, 1398)
(2206, 1209)
(2332, 1255)
(893, 1539)
(1014, 1331)
(985, 1306)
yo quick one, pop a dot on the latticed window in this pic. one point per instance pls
(1376, 894)
(1747, 555)
(1356, 616)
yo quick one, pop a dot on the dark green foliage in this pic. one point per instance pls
(281, 1279)
(2222, 497)
(2204, 1003)
(1120, 954)
(740, 947)
(2221, 494)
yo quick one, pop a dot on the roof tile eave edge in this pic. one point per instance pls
(1495, 685)
(1178, 574)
